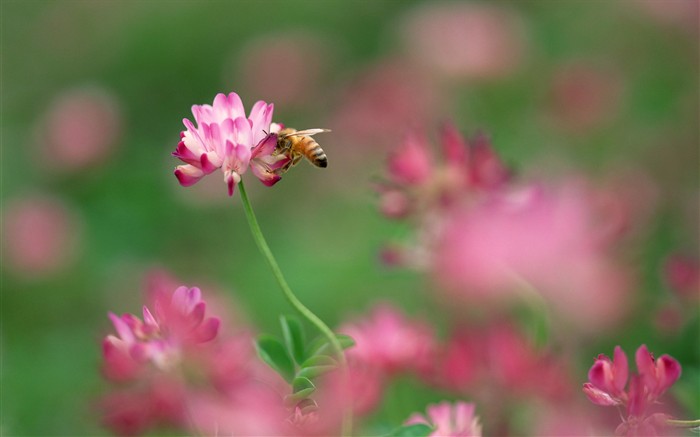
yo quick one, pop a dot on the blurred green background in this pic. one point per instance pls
(154, 59)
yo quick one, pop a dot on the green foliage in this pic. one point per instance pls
(274, 353)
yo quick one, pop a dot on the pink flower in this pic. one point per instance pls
(465, 40)
(389, 341)
(682, 274)
(608, 378)
(178, 323)
(80, 129)
(534, 238)
(225, 138)
(40, 235)
(450, 420)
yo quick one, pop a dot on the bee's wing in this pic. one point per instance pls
(307, 132)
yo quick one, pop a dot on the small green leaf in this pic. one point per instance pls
(301, 389)
(272, 351)
(321, 345)
(319, 360)
(302, 386)
(314, 371)
(293, 337)
(415, 430)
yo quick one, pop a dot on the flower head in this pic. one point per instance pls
(225, 138)
(450, 420)
(608, 378)
(160, 339)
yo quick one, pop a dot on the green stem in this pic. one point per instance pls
(294, 301)
(683, 423)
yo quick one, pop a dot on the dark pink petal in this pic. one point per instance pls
(668, 372)
(620, 369)
(454, 146)
(488, 171)
(646, 367)
(183, 153)
(411, 164)
(637, 402)
(197, 314)
(206, 165)
(265, 147)
(139, 352)
(601, 376)
(598, 397)
(188, 175)
(207, 330)
(123, 329)
(118, 365)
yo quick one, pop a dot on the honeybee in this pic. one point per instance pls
(295, 144)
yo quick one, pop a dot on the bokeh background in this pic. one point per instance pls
(93, 94)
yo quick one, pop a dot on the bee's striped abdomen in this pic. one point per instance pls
(314, 153)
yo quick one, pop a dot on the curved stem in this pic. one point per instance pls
(294, 301)
(683, 423)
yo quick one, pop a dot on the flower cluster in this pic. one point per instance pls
(225, 138)
(608, 378)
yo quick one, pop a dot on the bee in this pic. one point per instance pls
(295, 144)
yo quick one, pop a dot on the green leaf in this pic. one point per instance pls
(314, 371)
(293, 337)
(320, 345)
(272, 351)
(319, 360)
(415, 430)
(301, 389)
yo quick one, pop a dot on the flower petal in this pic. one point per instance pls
(188, 175)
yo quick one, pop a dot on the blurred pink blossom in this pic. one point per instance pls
(383, 100)
(40, 235)
(465, 40)
(80, 129)
(225, 138)
(585, 95)
(497, 358)
(672, 13)
(299, 56)
(450, 420)
(682, 274)
(608, 379)
(536, 238)
(387, 340)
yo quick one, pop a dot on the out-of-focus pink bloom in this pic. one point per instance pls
(417, 184)
(608, 378)
(178, 323)
(254, 410)
(682, 274)
(450, 420)
(130, 413)
(225, 138)
(300, 56)
(672, 13)
(80, 129)
(537, 237)
(465, 40)
(389, 341)
(498, 358)
(383, 100)
(40, 235)
(585, 95)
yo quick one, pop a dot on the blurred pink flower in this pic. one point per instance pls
(585, 95)
(178, 323)
(40, 235)
(80, 129)
(465, 40)
(450, 420)
(608, 379)
(536, 238)
(383, 100)
(682, 274)
(301, 56)
(225, 138)
(387, 340)
(497, 358)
